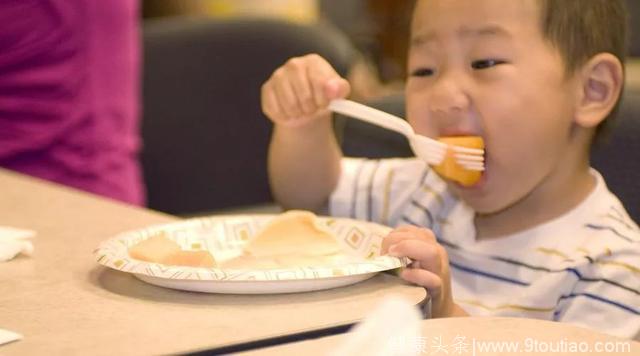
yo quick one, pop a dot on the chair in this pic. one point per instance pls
(633, 7)
(205, 137)
(617, 158)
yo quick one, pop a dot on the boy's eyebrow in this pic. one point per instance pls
(420, 39)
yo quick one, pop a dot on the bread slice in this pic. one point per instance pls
(294, 232)
(161, 249)
(190, 258)
(154, 249)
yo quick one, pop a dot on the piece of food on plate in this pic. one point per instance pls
(154, 249)
(295, 232)
(283, 261)
(161, 249)
(450, 169)
(250, 262)
(190, 258)
(288, 261)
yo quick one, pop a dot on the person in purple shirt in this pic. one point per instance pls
(69, 94)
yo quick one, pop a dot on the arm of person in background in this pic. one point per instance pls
(304, 155)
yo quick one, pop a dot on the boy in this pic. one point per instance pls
(539, 235)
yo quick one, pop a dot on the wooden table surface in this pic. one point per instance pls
(477, 336)
(63, 302)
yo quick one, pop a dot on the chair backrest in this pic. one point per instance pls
(617, 159)
(633, 6)
(205, 137)
(361, 139)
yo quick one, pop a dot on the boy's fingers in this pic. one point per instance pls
(423, 233)
(270, 105)
(296, 92)
(405, 228)
(428, 255)
(301, 85)
(407, 232)
(337, 88)
(424, 278)
(287, 99)
(319, 73)
(420, 232)
(393, 238)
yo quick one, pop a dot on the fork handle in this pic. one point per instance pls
(372, 116)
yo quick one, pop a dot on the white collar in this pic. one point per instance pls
(461, 228)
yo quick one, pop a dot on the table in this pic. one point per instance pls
(63, 302)
(476, 336)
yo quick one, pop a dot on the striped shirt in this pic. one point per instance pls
(581, 268)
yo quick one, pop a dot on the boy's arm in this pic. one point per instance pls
(304, 165)
(304, 155)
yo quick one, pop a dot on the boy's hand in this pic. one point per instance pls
(299, 91)
(430, 268)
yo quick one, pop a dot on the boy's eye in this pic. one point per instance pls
(422, 72)
(486, 63)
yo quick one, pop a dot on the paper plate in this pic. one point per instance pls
(225, 236)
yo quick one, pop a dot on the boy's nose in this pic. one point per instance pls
(449, 99)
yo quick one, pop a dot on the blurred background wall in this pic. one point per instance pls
(378, 29)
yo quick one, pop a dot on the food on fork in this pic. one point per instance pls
(449, 167)
(161, 249)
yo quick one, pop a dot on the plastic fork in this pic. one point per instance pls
(425, 148)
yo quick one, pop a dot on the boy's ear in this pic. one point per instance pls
(600, 86)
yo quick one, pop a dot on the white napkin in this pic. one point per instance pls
(14, 241)
(393, 328)
(7, 336)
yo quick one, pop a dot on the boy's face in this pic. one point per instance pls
(482, 67)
